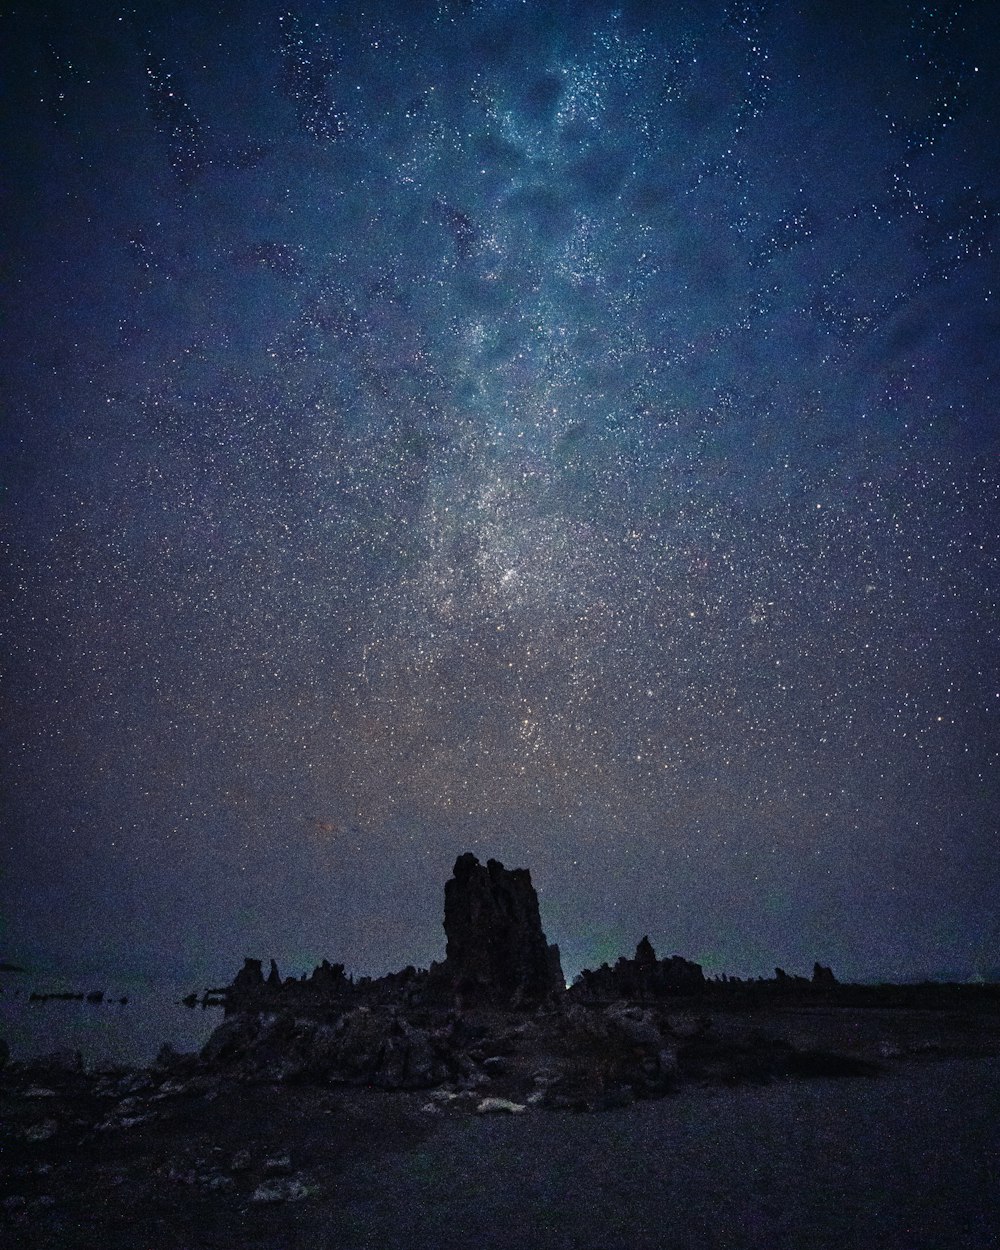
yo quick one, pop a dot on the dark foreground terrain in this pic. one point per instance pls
(735, 1154)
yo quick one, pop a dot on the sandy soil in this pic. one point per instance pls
(908, 1160)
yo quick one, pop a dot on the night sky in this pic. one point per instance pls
(564, 432)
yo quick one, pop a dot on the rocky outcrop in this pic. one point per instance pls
(376, 1047)
(643, 977)
(495, 944)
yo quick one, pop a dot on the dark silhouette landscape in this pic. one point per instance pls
(256, 1138)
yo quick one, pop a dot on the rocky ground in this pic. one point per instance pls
(253, 1145)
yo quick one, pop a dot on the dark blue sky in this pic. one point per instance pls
(566, 432)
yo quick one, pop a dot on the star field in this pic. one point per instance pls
(565, 432)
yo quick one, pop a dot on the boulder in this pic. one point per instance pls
(634, 1025)
(490, 1106)
(281, 1189)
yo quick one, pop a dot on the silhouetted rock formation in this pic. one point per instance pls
(496, 946)
(250, 976)
(329, 978)
(492, 1028)
(642, 977)
(496, 951)
(788, 983)
(245, 992)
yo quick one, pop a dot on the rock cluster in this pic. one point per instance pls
(493, 1023)
(377, 1047)
(567, 1055)
(496, 951)
(644, 977)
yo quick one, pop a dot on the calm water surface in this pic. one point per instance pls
(107, 1033)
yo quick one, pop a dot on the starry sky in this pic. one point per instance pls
(561, 431)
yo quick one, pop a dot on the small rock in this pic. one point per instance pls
(279, 1165)
(36, 1091)
(241, 1161)
(41, 1131)
(127, 1114)
(545, 1077)
(495, 1065)
(280, 1189)
(489, 1105)
(172, 1087)
(133, 1083)
(14, 1204)
(181, 1176)
(217, 1182)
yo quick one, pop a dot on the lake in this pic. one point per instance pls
(109, 1033)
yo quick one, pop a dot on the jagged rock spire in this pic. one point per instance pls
(494, 933)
